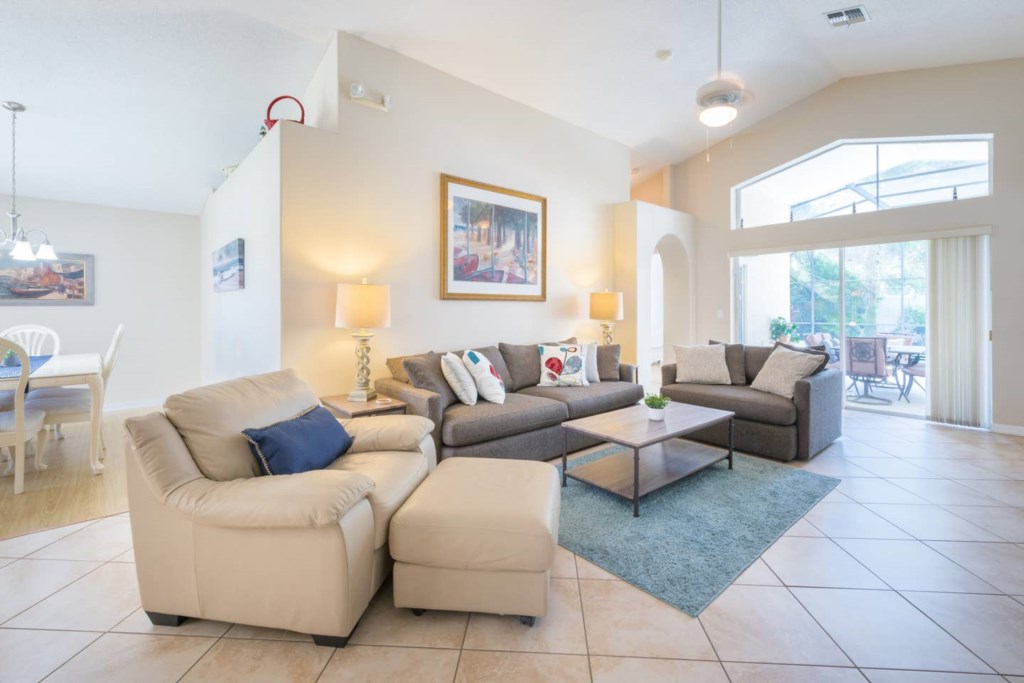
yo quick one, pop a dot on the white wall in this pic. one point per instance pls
(241, 330)
(364, 202)
(320, 98)
(145, 278)
(641, 229)
(942, 101)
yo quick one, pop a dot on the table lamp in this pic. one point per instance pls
(362, 307)
(606, 306)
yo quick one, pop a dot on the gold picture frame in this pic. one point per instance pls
(493, 242)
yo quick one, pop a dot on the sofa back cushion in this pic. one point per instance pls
(754, 358)
(425, 372)
(396, 366)
(735, 359)
(210, 419)
(608, 362)
(523, 363)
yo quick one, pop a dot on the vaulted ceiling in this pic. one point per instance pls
(140, 103)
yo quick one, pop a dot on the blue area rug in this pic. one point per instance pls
(693, 537)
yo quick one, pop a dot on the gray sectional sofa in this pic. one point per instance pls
(766, 424)
(528, 424)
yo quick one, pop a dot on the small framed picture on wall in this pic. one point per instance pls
(493, 242)
(229, 267)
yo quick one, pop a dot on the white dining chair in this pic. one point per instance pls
(22, 424)
(67, 405)
(34, 339)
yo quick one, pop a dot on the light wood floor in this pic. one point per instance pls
(67, 491)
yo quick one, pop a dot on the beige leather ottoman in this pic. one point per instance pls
(478, 535)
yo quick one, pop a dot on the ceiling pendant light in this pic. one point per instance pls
(21, 248)
(719, 99)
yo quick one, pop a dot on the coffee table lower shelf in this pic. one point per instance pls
(637, 472)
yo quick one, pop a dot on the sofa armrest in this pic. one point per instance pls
(819, 411)
(289, 501)
(419, 402)
(668, 374)
(627, 373)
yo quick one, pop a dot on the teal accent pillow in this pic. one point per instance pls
(311, 441)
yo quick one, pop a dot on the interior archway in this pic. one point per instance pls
(676, 298)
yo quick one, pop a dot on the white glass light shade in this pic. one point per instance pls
(45, 252)
(718, 115)
(22, 251)
(606, 306)
(363, 306)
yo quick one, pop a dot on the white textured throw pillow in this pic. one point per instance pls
(702, 364)
(488, 381)
(783, 369)
(459, 379)
(590, 363)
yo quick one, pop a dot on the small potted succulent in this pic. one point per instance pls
(11, 359)
(780, 329)
(656, 406)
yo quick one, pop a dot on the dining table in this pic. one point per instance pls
(72, 369)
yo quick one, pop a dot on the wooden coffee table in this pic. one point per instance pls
(658, 458)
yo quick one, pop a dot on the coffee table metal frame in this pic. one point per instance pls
(663, 441)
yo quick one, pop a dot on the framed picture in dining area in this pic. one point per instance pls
(493, 242)
(66, 281)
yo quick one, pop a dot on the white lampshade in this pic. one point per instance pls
(606, 306)
(22, 251)
(718, 115)
(45, 252)
(363, 306)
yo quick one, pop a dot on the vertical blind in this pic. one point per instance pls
(958, 363)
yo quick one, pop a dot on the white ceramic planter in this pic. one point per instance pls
(655, 413)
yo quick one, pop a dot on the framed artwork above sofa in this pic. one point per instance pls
(493, 242)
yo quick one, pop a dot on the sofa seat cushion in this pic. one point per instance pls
(465, 425)
(747, 403)
(395, 474)
(592, 399)
(481, 514)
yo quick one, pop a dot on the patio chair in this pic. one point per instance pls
(866, 363)
(912, 372)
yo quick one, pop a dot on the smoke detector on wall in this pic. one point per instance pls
(847, 17)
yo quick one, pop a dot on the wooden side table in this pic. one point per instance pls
(342, 407)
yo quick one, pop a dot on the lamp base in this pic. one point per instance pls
(607, 328)
(363, 391)
(362, 395)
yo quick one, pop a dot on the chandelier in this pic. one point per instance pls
(20, 247)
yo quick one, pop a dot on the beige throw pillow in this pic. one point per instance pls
(783, 369)
(702, 364)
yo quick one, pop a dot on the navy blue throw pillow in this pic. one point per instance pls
(311, 441)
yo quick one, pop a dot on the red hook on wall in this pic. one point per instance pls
(270, 122)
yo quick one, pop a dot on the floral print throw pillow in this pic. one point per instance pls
(562, 365)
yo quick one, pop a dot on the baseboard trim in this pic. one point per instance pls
(1012, 430)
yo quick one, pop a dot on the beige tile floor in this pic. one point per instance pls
(911, 572)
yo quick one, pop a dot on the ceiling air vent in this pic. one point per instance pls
(848, 17)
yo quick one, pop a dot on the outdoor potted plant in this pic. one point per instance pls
(656, 406)
(780, 329)
(11, 359)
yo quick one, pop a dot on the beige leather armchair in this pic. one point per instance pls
(303, 552)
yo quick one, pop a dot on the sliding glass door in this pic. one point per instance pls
(870, 302)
